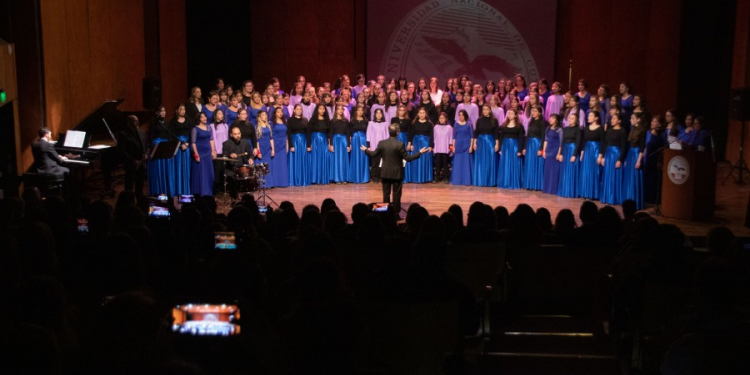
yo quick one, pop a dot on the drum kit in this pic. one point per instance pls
(249, 178)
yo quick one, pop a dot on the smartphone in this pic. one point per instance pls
(186, 199)
(162, 198)
(262, 209)
(158, 211)
(83, 225)
(198, 319)
(225, 241)
(380, 207)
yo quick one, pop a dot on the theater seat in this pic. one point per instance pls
(45, 182)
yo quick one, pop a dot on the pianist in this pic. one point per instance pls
(46, 158)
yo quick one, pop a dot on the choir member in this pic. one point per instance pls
(520, 86)
(615, 142)
(614, 108)
(299, 159)
(497, 111)
(339, 145)
(447, 107)
(554, 104)
(327, 100)
(472, 110)
(486, 145)
(552, 154)
(654, 142)
(362, 101)
(490, 90)
(377, 130)
(378, 104)
(308, 106)
(181, 127)
(532, 100)
(247, 92)
(411, 109)
(264, 133)
(443, 136)
(533, 172)
(632, 171)
(359, 171)
(626, 104)
(317, 145)
(212, 105)
(639, 106)
(700, 138)
(436, 94)
(544, 91)
(428, 105)
(194, 105)
(296, 96)
(584, 96)
(573, 107)
(160, 171)
(591, 157)
(254, 108)
(570, 151)
(356, 90)
(421, 136)
(220, 132)
(462, 148)
(202, 171)
(223, 98)
(512, 142)
(673, 131)
(232, 110)
(391, 106)
(278, 168)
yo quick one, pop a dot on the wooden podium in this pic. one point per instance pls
(689, 185)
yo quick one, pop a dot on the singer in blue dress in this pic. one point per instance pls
(265, 141)
(202, 170)
(181, 127)
(318, 142)
(552, 154)
(359, 163)
(655, 140)
(615, 143)
(256, 107)
(462, 163)
(632, 173)
(160, 171)
(533, 167)
(512, 142)
(486, 145)
(299, 158)
(278, 175)
(591, 158)
(404, 125)
(421, 136)
(340, 146)
(570, 152)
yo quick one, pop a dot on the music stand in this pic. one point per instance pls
(165, 150)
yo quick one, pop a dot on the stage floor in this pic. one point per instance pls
(731, 200)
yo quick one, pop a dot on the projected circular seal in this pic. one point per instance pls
(449, 38)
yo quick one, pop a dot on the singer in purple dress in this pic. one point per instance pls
(555, 103)
(471, 109)
(443, 135)
(202, 171)
(377, 130)
(463, 165)
(552, 155)
(278, 175)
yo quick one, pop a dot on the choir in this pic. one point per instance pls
(506, 134)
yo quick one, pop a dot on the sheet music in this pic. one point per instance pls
(74, 138)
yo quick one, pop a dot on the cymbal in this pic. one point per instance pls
(224, 158)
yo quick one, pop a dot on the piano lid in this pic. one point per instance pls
(104, 122)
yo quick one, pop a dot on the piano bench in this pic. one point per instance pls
(45, 182)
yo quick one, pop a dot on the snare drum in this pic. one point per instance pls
(261, 169)
(247, 185)
(244, 172)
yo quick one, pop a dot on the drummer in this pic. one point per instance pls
(239, 150)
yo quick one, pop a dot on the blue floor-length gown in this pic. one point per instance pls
(339, 158)
(202, 173)
(422, 168)
(320, 157)
(359, 163)
(568, 172)
(278, 175)
(611, 192)
(182, 169)
(485, 161)
(160, 173)
(462, 164)
(299, 161)
(632, 178)
(404, 137)
(590, 176)
(553, 137)
(533, 167)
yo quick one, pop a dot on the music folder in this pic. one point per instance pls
(165, 150)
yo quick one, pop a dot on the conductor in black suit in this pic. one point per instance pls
(132, 144)
(393, 153)
(46, 158)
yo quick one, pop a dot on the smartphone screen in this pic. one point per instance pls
(187, 199)
(225, 241)
(206, 319)
(158, 211)
(83, 225)
(380, 207)
(162, 198)
(262, 209)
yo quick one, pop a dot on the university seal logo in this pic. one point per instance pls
(678, 170)
(449, 38)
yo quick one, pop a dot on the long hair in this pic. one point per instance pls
(335, 113)
(375, 115)
(316, 114)
(214, 119)
(406, 113)
(192, 98)
(507, 118)
(283, 119)
(635, 131)
(466, 115)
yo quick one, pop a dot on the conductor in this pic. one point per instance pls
(394, 156)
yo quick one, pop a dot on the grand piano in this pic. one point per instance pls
(91, 146)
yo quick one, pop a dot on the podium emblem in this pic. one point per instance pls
(678, 170)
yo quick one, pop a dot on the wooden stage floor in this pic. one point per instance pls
(731, 200)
